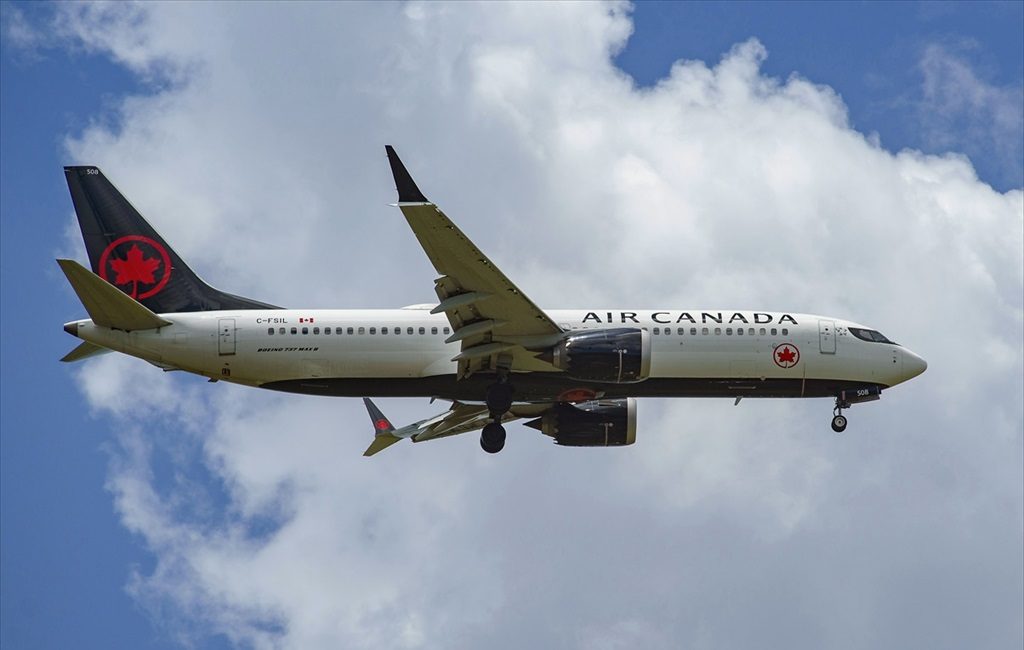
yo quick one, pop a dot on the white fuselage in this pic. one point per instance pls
(371, 352)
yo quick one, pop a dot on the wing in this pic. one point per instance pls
(461, 418)
(491, 317)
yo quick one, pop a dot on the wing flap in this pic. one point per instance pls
(463, 418)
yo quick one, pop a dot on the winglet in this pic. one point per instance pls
(382, 427)
(381, 424)
(107, 305)
(407, 190)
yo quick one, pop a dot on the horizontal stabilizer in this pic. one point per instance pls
(84, 351)
(107, 305)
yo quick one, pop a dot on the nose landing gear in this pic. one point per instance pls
(839, 420)
(839, 423)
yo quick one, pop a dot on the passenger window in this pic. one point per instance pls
(423, 330)
(680, 331)
(316, 330)
(362, 330)
(280, 331)
(408, 330)
(750, 332)
(718, 331)
(383, 330)
(728, 331)
(739, 331)
(785, 332)
(763, 332)
(447, 330)
(373, 330)
(775, 332)
(433, 330)
(270, 330)
(295, 330)
(352, 331)
(327, 330)
(693, 331)
(305, 330)
(704, 331)
(398, 330)
(657, 330)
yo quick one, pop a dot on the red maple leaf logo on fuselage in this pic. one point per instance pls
(135, 268)
(786, 355)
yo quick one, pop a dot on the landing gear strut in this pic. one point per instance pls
(838, 419)
(499, 402)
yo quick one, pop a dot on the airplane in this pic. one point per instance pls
(484, 346)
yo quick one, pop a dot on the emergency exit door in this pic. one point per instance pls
(827, 336)
(226, 338)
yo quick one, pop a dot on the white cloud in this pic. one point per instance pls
(262, 160)
(960, 109)
(18, 31)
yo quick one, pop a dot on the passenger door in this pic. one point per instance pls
(827, 336)
(226, 336)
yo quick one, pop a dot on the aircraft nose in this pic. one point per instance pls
(913, 365)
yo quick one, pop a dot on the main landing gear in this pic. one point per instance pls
(838, 419)
(499, 401)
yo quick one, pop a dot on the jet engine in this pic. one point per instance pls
(616, 356)
(599, 423)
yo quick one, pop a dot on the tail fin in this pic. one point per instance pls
(383, 428)
(125, 251)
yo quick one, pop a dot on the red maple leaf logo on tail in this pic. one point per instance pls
(135, 268)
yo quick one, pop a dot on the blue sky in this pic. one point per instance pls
(67, 555)
(868, 52)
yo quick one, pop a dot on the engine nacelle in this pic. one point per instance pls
(616, 356)
(599, 423)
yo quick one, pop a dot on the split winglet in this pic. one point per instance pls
(407, 190)
(107, 305)
(382, 427)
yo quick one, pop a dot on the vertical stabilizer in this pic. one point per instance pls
(128, 253)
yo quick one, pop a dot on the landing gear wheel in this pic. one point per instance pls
(839, 423)
(492, 438)
(499, 398)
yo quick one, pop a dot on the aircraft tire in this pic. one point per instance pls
(839, 423)
(492, 438)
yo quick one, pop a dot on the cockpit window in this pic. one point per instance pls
(869, 335)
